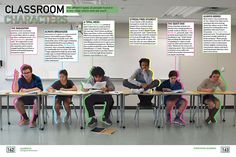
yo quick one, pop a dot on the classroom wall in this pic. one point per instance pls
(192, 69)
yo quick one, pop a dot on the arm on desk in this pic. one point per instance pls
(74, 88)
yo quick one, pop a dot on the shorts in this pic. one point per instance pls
(210, 97)
(27, 100)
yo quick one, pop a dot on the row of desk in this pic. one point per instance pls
(120, 102)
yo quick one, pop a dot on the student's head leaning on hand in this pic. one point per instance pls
(215, 76)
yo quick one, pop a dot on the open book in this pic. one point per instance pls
(178, 91)
(66, 92)
(97, 85)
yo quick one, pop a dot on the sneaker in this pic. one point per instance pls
(66, 119)
(213, 120)
(137, 91)
(58, 120)
(179, 121)
(23, 122)
(93, 122)
(107, 121)
(32, 124)
(207, 121)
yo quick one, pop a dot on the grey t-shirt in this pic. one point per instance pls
(208, 84)
(109, 84)
(140, 77)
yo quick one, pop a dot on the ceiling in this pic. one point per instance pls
(142, 8)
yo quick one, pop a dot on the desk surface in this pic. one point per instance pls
(124, 91)
(217, 92)
(128, 92)
(24, 94)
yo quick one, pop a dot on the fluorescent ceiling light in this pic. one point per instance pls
(181, 11)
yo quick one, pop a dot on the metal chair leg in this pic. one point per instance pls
(135, 115)
(138, 117)
(76, 114)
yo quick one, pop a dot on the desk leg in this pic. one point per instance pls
(163, 112)
(81, 111)
(117, 109)
(8, 113)
(43, 110)
(155, 114)
(198, 108)
(202, 105)
(83, 107)
(158, 112)
(190, 109)
(123, 111)
(193, 109)
(224, 102)
(39, 113)
(0, 113)
(46, 109)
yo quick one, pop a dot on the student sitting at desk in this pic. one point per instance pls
(142, 80)
(63, 84)
(98, 75)
(28, 82)
(173, 100)
(209, 85)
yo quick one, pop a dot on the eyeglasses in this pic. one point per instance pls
(26, 73)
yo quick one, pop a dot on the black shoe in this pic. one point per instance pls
(107, 121)
(208, 120)
(213, 120)
(93, 122)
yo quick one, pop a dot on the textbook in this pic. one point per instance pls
(66, 92)
(105, 131)
(97, 85)
(176, 91)
(115, 92)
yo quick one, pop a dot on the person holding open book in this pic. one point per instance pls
(28, 82)
(173, 84)
(63, 84)
(98, 76)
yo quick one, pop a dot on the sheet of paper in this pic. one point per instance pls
(115, 92)
(99, 85)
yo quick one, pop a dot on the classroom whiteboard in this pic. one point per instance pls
(122, 65)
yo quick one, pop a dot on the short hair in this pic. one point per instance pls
(25, 67)
(173, 73)
(215, 72)
(146, 60)
(97, 71)
(64, 72)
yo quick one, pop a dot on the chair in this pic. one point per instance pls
(70, 119)
(136, 116)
